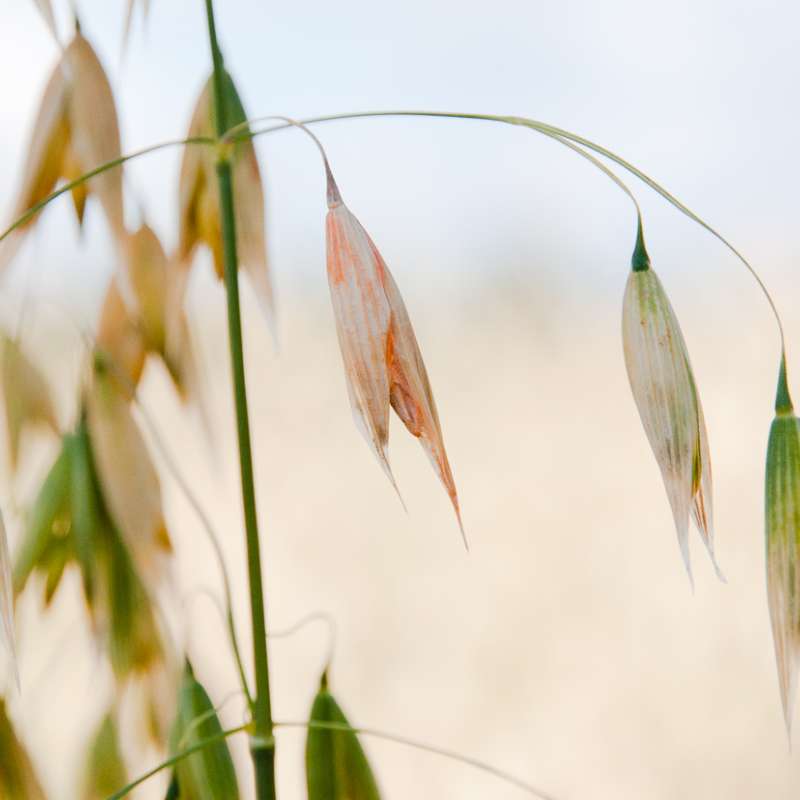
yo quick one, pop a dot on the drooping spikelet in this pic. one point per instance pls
(75, 131)
(128, 479)
(70, 523)
(782, 523)
(155, 320)
(199, 212)
(666, 395)
(382, 360)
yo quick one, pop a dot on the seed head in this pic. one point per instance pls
(669, 405)
(76, 130)
(382, 360)
(782, 523)
(199, 214)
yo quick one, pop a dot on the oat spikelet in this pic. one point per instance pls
(666, 395)
(782, 523)
(382, 360)
(76, 129)
(128, 479)
(199, 198)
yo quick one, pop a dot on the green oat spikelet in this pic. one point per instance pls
(104, 770)
(207, 774)
(46, 543)
(782, 523)
(336, 766)
(70, 524)
(666, 396)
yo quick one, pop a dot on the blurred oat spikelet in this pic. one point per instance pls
(70, 523)
(207, 774)
(199, 212)
(382, 360)
(26, 396)
(128, 478)
(782, 523)
(336, 765)
(104, 771)
(666, 395)
(154, 322)
(17, 777)
(76, 130)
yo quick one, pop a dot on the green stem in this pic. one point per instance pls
(126, 790)
(262, 743)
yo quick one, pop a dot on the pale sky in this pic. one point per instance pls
(698, 94)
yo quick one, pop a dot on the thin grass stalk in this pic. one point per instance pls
(170, 762)
(262, 742)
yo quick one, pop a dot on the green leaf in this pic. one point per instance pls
(207, 774)
(48, 519)
(336, 766)
(105, 771)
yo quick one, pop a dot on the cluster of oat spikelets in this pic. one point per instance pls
(100, 507)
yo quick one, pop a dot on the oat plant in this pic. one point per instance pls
(99, 510)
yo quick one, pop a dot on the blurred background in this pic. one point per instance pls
(567, 647)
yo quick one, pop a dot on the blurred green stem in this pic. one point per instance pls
(262, 742)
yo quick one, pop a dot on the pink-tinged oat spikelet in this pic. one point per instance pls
(666, 395)
(75, 131)
(382, 361)
(782, 522)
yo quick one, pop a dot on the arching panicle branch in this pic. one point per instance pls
(562, 135)
(99, 170)
(126, 790)
(502, 775)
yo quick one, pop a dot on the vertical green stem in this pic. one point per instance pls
(262, 743)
